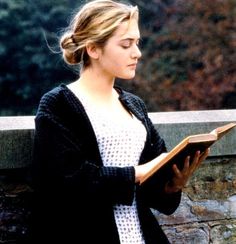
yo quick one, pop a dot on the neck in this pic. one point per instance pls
(96, 85)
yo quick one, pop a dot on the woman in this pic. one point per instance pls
(94, 141)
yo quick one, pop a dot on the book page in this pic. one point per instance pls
(222, 130)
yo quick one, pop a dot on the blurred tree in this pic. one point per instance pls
(188, 47)
(28, 65)
(189, 63)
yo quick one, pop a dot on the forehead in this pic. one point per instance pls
(127, 29)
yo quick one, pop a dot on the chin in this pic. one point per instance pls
(127, 76)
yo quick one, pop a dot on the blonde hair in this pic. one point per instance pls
(94, 23)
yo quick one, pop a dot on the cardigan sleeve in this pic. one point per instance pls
(152, 191)
(61, 165)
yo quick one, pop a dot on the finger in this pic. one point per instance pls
(205, 154)
(186, 164)
(200, 158)
(195, 162)
(177, 172)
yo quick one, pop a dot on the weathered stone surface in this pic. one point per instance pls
(198, 211)
(232, 206)
(188, 234)
(210, 210)
(181, 216)
(15, 196)
(223, 232)
(215, 179)
(15, 148)
(207, 213)
(16, 141)
(217, 232)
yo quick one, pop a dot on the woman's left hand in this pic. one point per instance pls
(181, 176)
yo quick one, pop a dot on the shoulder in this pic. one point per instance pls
(132, 99)
(52, 100)
(51, 95)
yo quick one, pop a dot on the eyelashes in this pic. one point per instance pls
(128, 43)
(125, 47)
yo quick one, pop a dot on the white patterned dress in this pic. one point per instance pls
(120, 145)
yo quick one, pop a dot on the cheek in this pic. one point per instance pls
(117, 53)
(121, 57)
(116, 60)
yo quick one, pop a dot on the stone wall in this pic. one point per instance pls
(207, 213)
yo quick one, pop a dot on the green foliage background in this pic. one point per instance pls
(188, 50)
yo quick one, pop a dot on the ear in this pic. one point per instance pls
(92, 50)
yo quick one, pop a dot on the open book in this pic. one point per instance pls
(187, 147)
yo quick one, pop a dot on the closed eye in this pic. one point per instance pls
(128, 43)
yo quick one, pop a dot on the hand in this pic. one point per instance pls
(181, 176)
(142, 169)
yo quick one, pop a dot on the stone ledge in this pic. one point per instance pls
(16, 123)
(16, 133)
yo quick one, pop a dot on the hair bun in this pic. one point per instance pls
(67, 42)
(70, 49)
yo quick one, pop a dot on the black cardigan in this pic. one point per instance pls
(74, 193)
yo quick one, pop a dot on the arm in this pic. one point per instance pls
(167, 192)
(153, 192)
(63, 162)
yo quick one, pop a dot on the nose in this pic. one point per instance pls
(136, 53)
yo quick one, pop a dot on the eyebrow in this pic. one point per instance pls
(130, 39)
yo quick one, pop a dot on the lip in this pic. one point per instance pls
(134, 65)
